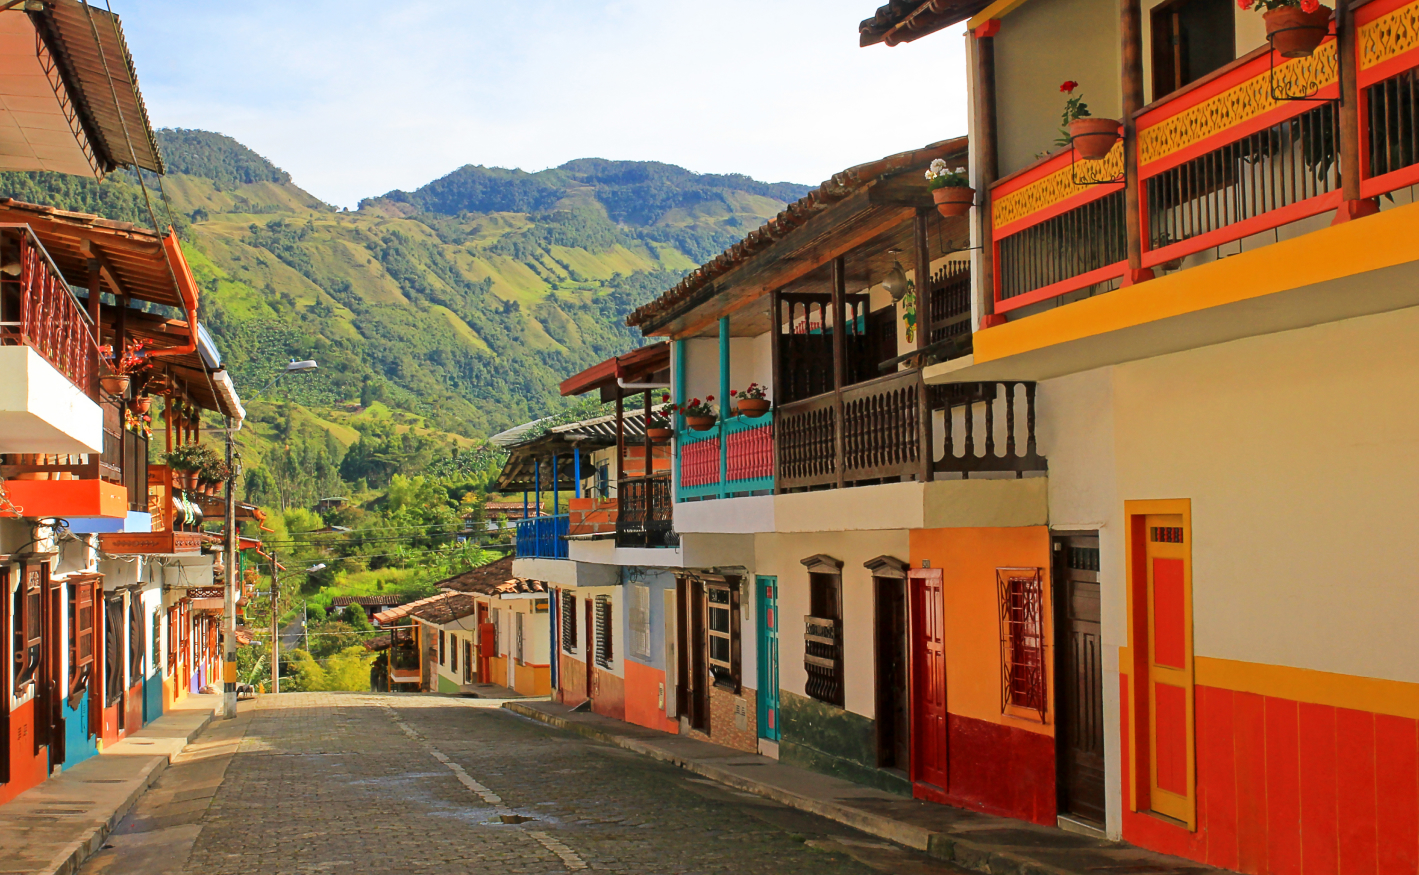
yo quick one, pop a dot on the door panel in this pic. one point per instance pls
(768, 658)
(672, 659)
(892, 684)
(1169, 667)
(928, 662)
(1079, 687)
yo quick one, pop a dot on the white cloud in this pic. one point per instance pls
(356, 98)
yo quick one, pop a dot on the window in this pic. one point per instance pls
(1022, 643)
(113, 649)
(174, 638)
(1191, 38)
(517, 631)
(443, 652)
(722, 632)
(568, 622)
(604, 652)
(27, 622)
(640, 619)
(823, 637)
(468, 662)
(81, 633)
(157, 642)
(452, 651)
(603, 480)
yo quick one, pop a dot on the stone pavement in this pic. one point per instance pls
(54, 827)
(969, 839)
(390, 783)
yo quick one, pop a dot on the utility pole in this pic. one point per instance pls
(275, 623)
(229, 600)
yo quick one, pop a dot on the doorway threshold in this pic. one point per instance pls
(1079, 826)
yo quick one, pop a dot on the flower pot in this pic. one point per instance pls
(116, 384)
(760, 406)
(1294, 32)
(143, 404)
(659, 433)
(189, 480)
(1093, 137)
(953, 201)
(701, 423)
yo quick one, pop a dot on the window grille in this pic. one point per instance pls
(1167, 534)
(722, 632)
(157, 641)
(640, 619)
(603, 631)
(823, 639)
(27, 626)
(517, 632)
(443, 652)
(568, 622)
(137, 644)
(1022, 641)
(113, 649)
(81, 632)
(452, 652)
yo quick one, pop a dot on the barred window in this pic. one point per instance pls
(1022, 641)
(81, 631)
(640, 619)
(603, 631)
(568, 622)
(722, 632)
(443, 652)
(518, 618)
(452, 652)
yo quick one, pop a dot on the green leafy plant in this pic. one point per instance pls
(938, 175)
(1074, 109)
(1307, 6)
(752, 392)
(694, 407)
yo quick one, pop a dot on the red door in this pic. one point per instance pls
(928, 677)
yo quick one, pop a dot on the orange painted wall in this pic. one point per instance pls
(1292, 787)
(968, 559)
(27, 769)
(643, 697)
(608, 695)
(572, 680)
(532, 680)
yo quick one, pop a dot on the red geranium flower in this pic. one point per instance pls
(1069, 86)
(733, 392)
(1245, 4)
(1310, 6)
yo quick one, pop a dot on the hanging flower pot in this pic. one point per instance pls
(143, 404)
(955, 201)
(701, 423)
(116, 384)
(659, 433)
(189, 480)
(1093, 137)
(1294, 32)
(755, 406)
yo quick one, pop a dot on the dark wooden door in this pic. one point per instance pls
(928, 663)
(699, 665)
(54, 691)
(892, 682)
(1080, 682)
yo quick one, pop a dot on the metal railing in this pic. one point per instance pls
(644, 515)
(543, 537)
(39, 310)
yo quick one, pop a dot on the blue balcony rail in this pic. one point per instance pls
(733, 458)
(543, 537)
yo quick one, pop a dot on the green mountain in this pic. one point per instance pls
(438, 315)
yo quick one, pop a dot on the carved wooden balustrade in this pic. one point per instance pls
(645, 512)
(38, 310)
(877, 425)
(987, 427)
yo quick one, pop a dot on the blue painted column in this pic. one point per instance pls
(576, 468)
(723, 406)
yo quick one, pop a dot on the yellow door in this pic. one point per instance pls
(1169, 683)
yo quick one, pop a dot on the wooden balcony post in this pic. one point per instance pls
(983, 145)
(776, 340)
(620, 438)
(839, 363)
(1352, 206)
(1131, 31)
(95, 280)
(923, 279)
(649, 467)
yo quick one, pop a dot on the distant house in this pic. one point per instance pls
(372, 604)
(328, 504)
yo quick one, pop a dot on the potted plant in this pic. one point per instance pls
(1091, 137)
(143, 403)
(950, 189)
(657, 427)
(1295, 27)
(699, 415)
(214, 473)
(752, 401)
(185, 462)
(123, 369)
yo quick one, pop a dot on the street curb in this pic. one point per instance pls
(76, 853)
(942, 846)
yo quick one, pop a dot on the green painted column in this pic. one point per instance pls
(679, 378)
(723, 406)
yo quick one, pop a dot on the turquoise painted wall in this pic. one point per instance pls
(152, 698)
(834, 741)
(78, 744)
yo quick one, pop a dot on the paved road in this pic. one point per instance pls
(356, 783)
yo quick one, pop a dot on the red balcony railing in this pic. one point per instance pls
(38, 310)
(1387, 55)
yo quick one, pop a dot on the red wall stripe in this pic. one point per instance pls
(1355, 791)
(1319, 813)
(1397, 791)
(1249, 744)
(1217, 774)
(1283, 787)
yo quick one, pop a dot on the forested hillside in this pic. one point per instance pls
(437, 315)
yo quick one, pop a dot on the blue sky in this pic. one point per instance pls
(356, 98)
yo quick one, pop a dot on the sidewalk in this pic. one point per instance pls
(54, 827)
(997, 845)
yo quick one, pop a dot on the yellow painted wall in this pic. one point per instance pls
(780, 555)
(533, 680)
(1040, 45)
(968, 559)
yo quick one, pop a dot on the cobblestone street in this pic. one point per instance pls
(331, 782)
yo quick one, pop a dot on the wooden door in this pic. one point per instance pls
(482, 651)
(893, 697)
(53, 685)
(590, 648)
(928, 664)
(768, 658)
(699, 666)
(1079, 736)
(672, 660)
(682, 648)
(1172, 764)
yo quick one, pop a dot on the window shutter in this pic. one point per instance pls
(603, 631)
(735, 642)
(568, 622)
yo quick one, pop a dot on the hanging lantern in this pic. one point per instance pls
(896, 282)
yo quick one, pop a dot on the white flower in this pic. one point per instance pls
(960, 170)
(938, 166)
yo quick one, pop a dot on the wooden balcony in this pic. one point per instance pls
(39, 310)
(1225, 163)
(644, 517)
(117, 479)
(736, 457)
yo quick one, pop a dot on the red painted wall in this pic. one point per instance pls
(1291, 788)
(609, 695)
(643, 697)
(27, 769)
(133, 720)
(997, 769)
(571, 680)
